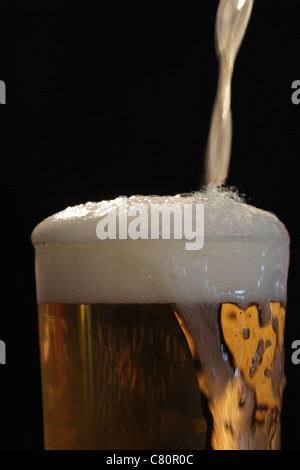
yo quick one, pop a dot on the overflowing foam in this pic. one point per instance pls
(244, 257)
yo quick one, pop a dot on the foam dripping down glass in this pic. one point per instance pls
(116, 369)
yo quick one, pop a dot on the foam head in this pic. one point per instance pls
(244, 257)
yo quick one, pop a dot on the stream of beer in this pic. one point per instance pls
(231, 24)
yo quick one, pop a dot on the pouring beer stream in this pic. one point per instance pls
(231, 23)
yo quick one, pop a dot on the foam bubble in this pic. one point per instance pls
(244, 257)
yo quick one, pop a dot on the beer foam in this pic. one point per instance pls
(244, 257)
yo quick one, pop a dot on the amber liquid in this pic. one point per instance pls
(118, 377)
(135, 376)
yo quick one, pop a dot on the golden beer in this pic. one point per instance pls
(118, 376)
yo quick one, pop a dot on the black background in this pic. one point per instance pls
(117, 100)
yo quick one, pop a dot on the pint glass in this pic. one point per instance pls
(145, 344)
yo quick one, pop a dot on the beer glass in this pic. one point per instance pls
(146, 344)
